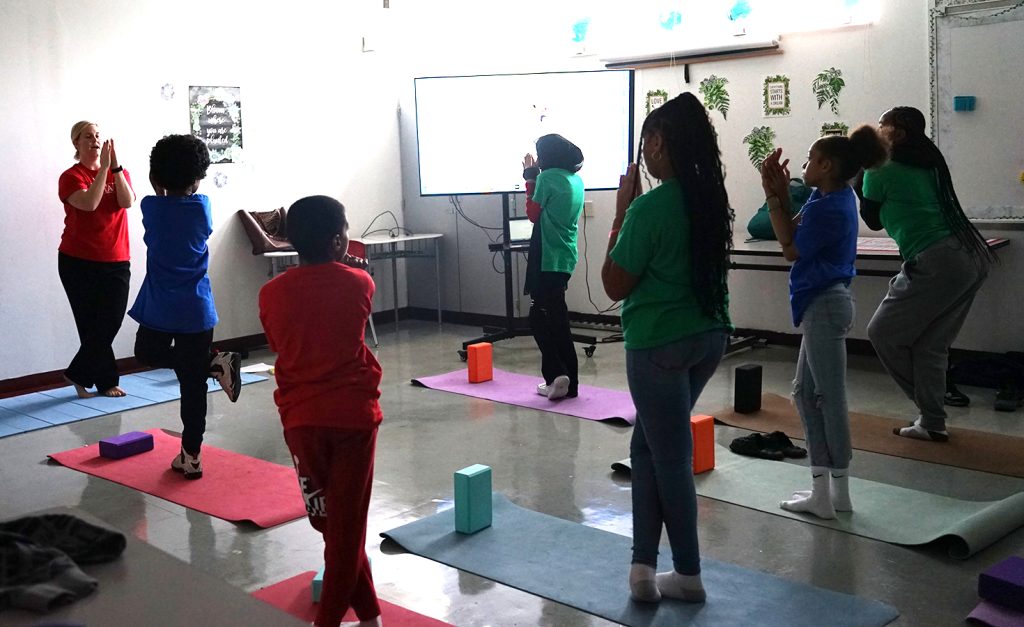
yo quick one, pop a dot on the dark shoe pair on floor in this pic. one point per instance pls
(775, 446)
(954, 397)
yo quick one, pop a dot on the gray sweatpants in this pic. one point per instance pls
(920, 318)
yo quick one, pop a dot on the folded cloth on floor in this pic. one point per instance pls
(39, 558)
(755, 445)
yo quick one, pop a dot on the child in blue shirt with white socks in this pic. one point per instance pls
(174, 308)
(821, 241)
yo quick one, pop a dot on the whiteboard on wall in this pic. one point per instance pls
(978, 53)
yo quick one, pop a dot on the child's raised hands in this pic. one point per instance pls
(775, 175)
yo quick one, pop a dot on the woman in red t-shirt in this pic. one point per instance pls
(93, 256)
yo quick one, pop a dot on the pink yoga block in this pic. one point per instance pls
(1004, 583)
(126, 445)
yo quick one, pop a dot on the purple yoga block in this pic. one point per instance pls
(1004, 583)
(126, 445)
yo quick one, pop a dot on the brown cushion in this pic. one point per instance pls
(267, 230)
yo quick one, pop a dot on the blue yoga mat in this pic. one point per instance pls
(587, 568)
(39, 410)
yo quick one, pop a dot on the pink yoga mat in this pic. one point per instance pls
(234, 487)
(519, 389)
(295, 596)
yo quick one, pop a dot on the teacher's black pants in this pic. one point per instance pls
(98, 294)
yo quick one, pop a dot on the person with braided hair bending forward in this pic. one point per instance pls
(945, 263)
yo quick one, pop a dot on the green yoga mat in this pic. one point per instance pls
(587, 568)
(882, 512)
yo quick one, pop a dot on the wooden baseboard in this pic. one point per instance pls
(55, 378)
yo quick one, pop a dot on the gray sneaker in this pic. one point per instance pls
(226, 368)
(190, 467)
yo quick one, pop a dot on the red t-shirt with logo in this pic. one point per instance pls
(100, 235)
(315, 318)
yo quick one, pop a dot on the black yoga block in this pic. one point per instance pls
(747, 398)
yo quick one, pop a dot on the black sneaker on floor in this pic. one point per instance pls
(780, 442)
(755, 445)
(954, 397)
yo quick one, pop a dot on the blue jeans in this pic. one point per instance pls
(665, 382)
(819, 390)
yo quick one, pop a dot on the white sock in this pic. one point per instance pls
(687, 588)
(819, 501)
(373, 622)
(642, 584)
(840, 487)
(917, 432)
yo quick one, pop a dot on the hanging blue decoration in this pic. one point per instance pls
(670, 20)
(740, 10)
(580, 29)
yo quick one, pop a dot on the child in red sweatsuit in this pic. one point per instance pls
(314, 316)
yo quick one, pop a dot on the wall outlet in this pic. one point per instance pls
(588, 208)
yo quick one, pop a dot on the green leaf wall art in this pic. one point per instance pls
(716, 96)
(826, 86)
(834, 128)
(656, 98)
(760, 143)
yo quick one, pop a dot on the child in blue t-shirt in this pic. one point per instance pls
(821, 241)
(174, 307)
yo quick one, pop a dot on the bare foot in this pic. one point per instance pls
(81, 391)
(113, 392)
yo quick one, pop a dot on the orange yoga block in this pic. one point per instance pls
(480, 366)
(703, 429)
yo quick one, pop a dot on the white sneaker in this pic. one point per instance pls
(226, 368)
(558, 388)
(542, 389)
(191, 467)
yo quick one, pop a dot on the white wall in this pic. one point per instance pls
(884, 64)
(318, 115)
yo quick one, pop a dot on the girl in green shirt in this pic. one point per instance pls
(667, 261)
(945, 263)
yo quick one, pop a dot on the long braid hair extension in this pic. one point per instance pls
(917, 150)
(692, 148)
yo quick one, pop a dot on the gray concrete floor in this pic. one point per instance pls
(551, 463)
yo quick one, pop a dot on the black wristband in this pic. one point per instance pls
(117, 169)
(531, 173)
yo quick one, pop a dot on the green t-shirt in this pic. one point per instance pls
(911, 212)
(654, 245)
(560, 195)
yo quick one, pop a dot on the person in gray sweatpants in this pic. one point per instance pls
(945, 263)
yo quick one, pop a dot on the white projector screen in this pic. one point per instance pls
(473, 131)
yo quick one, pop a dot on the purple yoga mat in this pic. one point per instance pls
(994, 615)
(520, 389)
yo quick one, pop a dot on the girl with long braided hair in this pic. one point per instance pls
(945, 262)
(667, 261)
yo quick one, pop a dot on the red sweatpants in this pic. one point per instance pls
(335, 468)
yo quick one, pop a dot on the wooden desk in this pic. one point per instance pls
(868, 249)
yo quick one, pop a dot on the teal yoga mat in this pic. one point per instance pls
(587, 568)
(881, 511)
(39, 410)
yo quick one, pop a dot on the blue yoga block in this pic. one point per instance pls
(126, 445)
(1004, 583)
(318, 584)
(472, 498)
